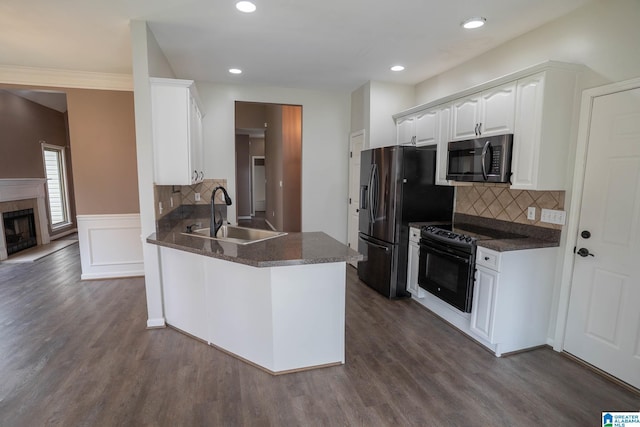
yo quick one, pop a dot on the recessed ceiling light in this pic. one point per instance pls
(397, 68)
(476, 22)
(235, 70)
(246, 6)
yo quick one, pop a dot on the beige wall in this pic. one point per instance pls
(23, 124)
(103, 146)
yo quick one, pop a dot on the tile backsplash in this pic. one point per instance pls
(498, 201)
(173, 196)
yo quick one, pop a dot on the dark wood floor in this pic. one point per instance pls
(77, 353)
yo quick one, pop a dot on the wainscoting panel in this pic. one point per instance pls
(110, 246)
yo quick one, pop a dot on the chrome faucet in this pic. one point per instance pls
(215, 225)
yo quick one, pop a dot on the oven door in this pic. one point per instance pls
(447, 273)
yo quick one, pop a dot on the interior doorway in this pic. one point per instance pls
(269, 165)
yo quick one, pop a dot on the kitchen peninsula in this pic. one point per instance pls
(278, 304)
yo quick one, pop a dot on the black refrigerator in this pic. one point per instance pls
(397, 186)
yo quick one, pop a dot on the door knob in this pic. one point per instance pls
(585, 234)
(584, 252)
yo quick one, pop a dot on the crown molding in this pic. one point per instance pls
(51, 77)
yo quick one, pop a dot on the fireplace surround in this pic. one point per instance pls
(24, 193)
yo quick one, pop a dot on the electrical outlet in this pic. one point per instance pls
(197, 197)
(171, 201)
(531, 213)
(553, 217)
(160, 207)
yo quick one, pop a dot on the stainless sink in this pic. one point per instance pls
(238, 235)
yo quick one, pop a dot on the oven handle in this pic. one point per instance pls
(487, 145)
(375, 245)
(443, 253)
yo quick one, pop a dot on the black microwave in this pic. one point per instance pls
(486, 159)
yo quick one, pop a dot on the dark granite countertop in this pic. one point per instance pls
(291, 249)
(534, 237)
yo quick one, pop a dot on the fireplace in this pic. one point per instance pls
(18, 194)
(19, 230)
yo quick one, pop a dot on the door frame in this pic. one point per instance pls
(586, 109)
(352, 136)
(253, 173)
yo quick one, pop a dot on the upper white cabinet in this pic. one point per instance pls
(484, 114)
(444, 136)
(405, 130)
(418, 129)
(541, 140)
(426, 127)
(177, 132)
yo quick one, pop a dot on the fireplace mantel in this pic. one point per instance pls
(21, 189)
(16, 189)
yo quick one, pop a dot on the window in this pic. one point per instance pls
(57, 193)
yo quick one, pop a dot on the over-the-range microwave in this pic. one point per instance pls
(485, 159)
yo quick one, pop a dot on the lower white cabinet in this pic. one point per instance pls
(512, 298)
(412, 264)
(183, 283)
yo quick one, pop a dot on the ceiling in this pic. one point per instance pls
(324, 45)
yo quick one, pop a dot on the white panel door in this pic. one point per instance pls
(356, 144)
(465, 118)
(603, 324)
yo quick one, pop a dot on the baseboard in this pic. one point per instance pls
(156, 323)
(64, 233)
(270, 225)
(110, 246)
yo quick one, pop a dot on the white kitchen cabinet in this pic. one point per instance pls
(419, 129)
(542, 134)
(512, 298)
(405, 130)
(444, 136)
(413, 264)
(177, 132)
(183, 291)
(487, 113)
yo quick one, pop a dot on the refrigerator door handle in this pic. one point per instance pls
(375, 245)
(373, 193)
(363, 196)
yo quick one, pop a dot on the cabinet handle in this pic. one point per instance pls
(201, 175)
(475, 130)
(479, 128)
(487, 258)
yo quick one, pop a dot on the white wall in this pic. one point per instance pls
(603, 35)
(325, 147)
(386, 99)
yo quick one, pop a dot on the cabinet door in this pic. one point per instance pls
(483, 307)
(405, 130)
(498, 110)
(183, 291)
(444, 136)
(426, 127)
(196, 143)
(412, 271)
(465, 117)
(526, 143)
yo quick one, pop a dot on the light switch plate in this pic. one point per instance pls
(197, 197)
(553, 217)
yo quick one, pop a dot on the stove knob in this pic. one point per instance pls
(468, 239)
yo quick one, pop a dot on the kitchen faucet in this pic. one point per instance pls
(215, 225)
